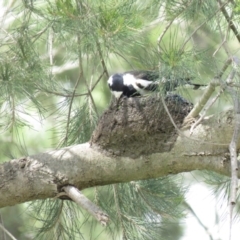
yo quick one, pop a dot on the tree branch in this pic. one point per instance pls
(43, 175)
(202, 102)
(233, 145)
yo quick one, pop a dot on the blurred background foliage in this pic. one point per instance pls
(55, 59)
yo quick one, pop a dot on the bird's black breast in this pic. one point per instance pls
(130, 91)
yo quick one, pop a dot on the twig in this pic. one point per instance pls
(50, 46)
(99, 78)
(213, 15)
(70, 95)
(125, 59)
(199, 220)
(202, 102)
(222, 89)
(70, 105)
(3, 235)
(220, 46)
(115, 193)
(207, 94)
(59, 195)
(6, 39)
(85, 203)
(224, 37)
(163, 33)
(168, 26)
(104, 66)
(224, 68)
(230, 22)
(7, 232)
(62, 94)
(13, 113)
(91, 97)
(196, 29)
(234, 85)
(37, 35)
(101, 58)
(181, 133)
(170, 116)
(88, 89)
(205, 111)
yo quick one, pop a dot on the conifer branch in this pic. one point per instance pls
(230, 22)
(202, 24)
(119, 214)
(159, 40)
(70, 108)
(76, 94)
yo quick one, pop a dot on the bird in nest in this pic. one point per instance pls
(138, 83)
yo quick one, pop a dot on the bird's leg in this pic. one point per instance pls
(122, 97)
(116, 103)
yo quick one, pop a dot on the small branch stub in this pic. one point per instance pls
(85, 203)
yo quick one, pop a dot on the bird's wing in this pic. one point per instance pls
(145, 75)
(146, 80)
(147, 85)
(151, 81)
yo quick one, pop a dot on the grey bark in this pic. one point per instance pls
(43, 175)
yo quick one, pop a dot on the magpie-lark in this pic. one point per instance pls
(137, 83)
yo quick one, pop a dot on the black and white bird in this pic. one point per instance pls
(137, 83)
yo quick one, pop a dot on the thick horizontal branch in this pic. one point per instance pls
(43, 175)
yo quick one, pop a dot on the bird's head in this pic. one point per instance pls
(115, 82)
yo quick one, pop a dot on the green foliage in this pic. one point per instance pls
(237, 7)
(55, 219)
(82, 124)
(220, 184)
(138, 209)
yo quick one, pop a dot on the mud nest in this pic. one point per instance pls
(140, 126)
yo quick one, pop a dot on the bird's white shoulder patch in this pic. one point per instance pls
(128, 79)
(143, 83)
